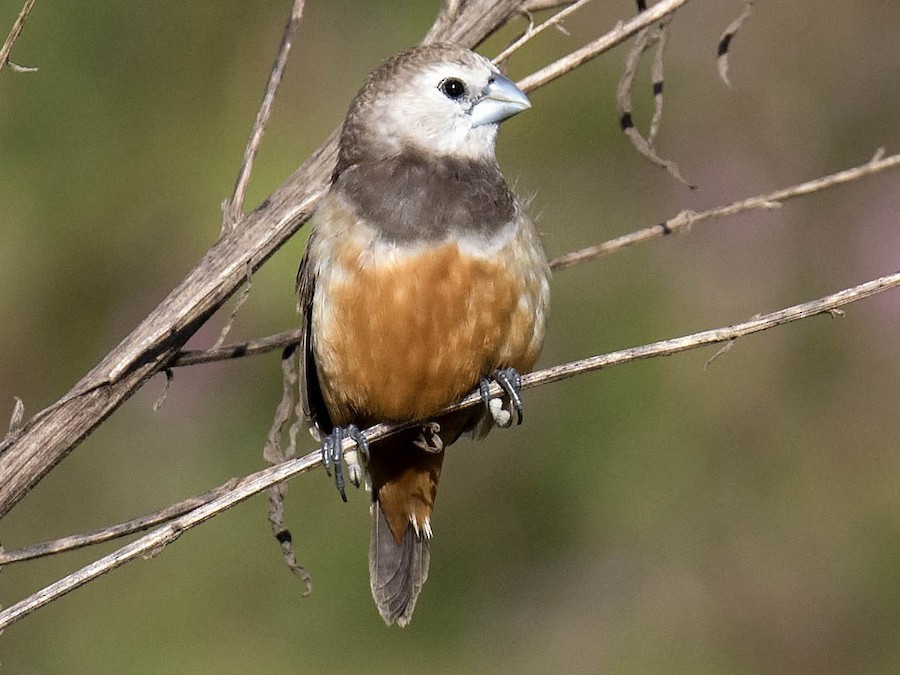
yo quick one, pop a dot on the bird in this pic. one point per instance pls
(423, 280)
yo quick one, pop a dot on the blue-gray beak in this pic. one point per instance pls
(500, 100)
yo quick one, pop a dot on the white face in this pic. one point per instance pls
(443, 123)
(448, 108)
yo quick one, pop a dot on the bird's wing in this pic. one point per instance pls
(314, 411)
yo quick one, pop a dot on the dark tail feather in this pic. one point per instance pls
(396, 571)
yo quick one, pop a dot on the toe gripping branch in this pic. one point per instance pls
(333, 456)
(511, 383)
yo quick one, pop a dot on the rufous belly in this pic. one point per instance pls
(399, 337)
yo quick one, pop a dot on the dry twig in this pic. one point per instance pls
(234, 207)
(687, 218)
(14, 33)
(533, 32)
(616, 36)
(236, 351)
(76, 541)
(541, 5)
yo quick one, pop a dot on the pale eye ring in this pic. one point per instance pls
(453, 88)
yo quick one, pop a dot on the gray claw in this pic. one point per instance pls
(511, 383)
(333, 456)
(337, 458)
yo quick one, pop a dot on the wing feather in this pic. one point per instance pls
(311, 400)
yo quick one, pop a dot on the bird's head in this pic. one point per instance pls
(441, 99)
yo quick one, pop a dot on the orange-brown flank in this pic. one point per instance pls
(408, 336)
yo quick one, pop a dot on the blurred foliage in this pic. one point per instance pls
(660, 517)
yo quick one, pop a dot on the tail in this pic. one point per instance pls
(397, 572)
(405, 472)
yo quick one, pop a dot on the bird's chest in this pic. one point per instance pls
(401, 332)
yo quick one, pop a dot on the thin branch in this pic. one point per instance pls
(152, 543)
(117, 531)
(232, 315)
(470, 22)
(14, 33)
(541, 5)
(619, 34)
(235, 206)
(687, 218)
(537, 30)
(677, 223)
(236, 351)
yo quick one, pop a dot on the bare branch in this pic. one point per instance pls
(468, 23)
(236, 351)
(688, 218)
(152, 543)
(541, 5)
(619, 34)
(117, 531)
(534, 32)
(232, 315)
(14, 33)
(235, 206)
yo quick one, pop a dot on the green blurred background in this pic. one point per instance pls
(658, 517)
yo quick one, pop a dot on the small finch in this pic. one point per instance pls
(423, 280)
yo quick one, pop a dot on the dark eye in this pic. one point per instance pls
(452, 87)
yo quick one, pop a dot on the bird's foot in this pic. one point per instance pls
(511, 383)
(356, 458)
